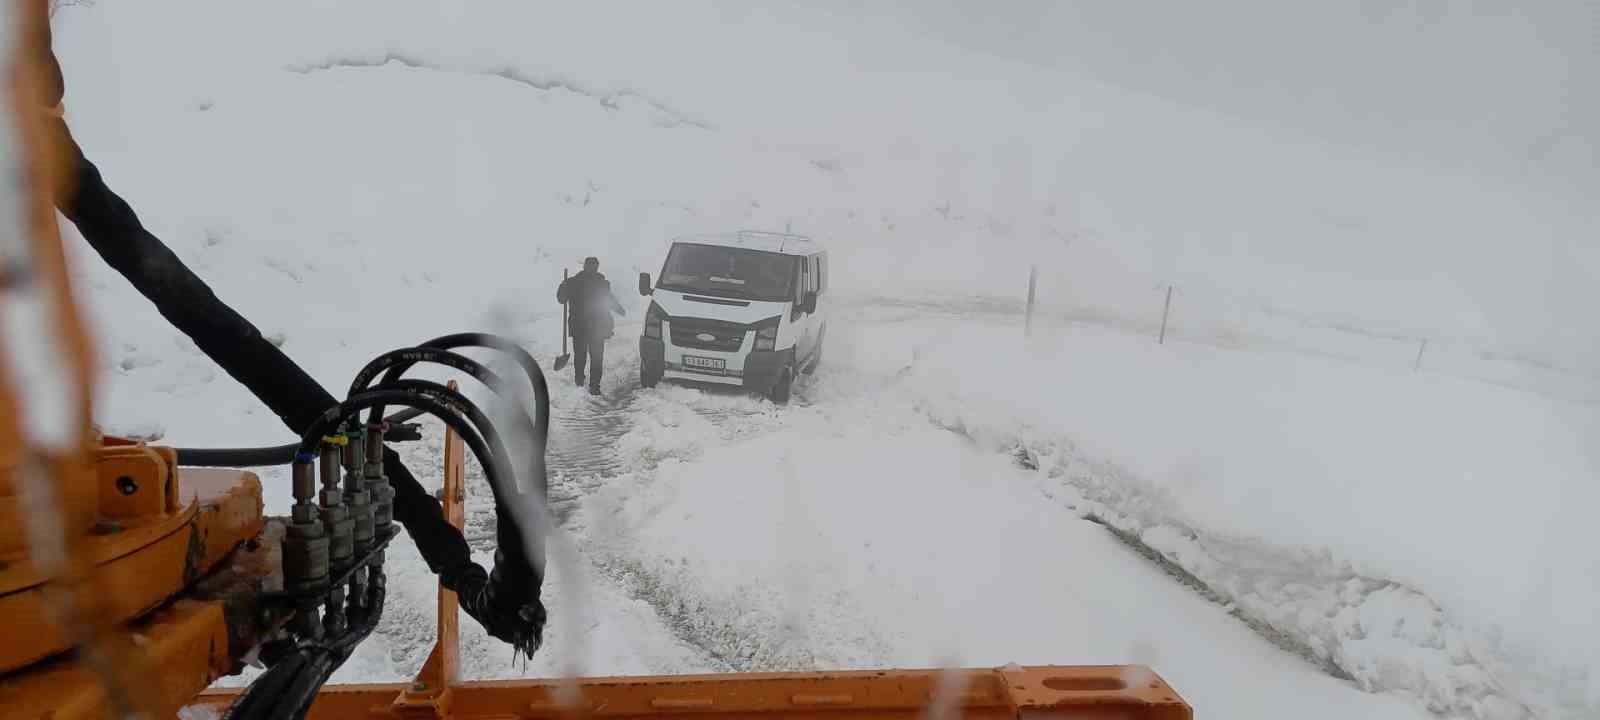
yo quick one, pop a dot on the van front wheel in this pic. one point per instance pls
(816, 359)
(780, 390)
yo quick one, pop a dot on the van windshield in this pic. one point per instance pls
(729, 272)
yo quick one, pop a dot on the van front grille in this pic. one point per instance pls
(724, 336)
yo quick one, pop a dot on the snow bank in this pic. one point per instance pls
(1416, 533)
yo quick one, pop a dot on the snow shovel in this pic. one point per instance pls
(561, 360)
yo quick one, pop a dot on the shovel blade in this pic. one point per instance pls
(561, 361)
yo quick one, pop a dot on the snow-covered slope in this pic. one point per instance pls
(361, 176)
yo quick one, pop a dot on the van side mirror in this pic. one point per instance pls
(644, 284)
(809, 303)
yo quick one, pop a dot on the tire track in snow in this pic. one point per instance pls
(750, 628)
(585, 454)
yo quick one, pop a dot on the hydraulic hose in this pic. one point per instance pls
(413, 355)
(518, 566)
(397, 362)
(258, 700)
(541, 390)
(302, 691)
(287, 689)
(237, 457)
(265, 456)
(506, 604)
(111, 227)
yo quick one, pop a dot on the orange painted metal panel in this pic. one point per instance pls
(163, 660)
(1105, 692)
(136, 568)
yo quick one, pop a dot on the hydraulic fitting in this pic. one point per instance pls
(356, 498)
(336, 518)
(377, 482)
(335, 621)
(305, 544)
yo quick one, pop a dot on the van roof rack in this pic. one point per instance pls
(769, 233)
(787, 243)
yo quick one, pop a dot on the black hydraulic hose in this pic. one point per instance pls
(237, 457)
(519, 564)
(456, 401)
(288, 688)
(541, 390)
(398, 361)
(258, 700)
(439, 401)
(111, 227)
(395, 361)
(506, 603)
(413, 355)
(303, 691)
(264, 456)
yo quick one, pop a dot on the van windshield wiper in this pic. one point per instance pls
(716, 292)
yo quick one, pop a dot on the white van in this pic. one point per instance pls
(742, 309)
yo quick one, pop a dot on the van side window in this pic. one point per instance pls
(805, 281)
(816, 275)
(822, 273)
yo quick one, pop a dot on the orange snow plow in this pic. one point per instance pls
(131, 582)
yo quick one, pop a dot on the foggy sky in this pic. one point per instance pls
(1510, 89)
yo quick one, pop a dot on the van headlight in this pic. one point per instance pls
(767, 334)
(652, 321)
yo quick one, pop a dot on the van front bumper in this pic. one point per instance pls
(759, 371)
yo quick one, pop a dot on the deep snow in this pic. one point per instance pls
(360, 177)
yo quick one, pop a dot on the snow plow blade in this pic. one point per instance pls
(1081, 693)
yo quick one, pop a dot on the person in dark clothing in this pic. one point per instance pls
(589, 306)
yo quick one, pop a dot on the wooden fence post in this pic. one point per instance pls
(1165, 309)
(1033, 278)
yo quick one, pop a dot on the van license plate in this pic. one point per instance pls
(701, 363)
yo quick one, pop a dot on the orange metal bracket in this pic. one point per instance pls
(430, 693)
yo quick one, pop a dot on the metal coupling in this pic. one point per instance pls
(335, 621)
(303, 486)
(305, 557)
(355, 451)
(306, 623)
(305, 543)
(356, 498)
(375, 446)
(358, 587)
(336, 518)
(377, 482)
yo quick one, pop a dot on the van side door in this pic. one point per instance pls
(807, 323)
